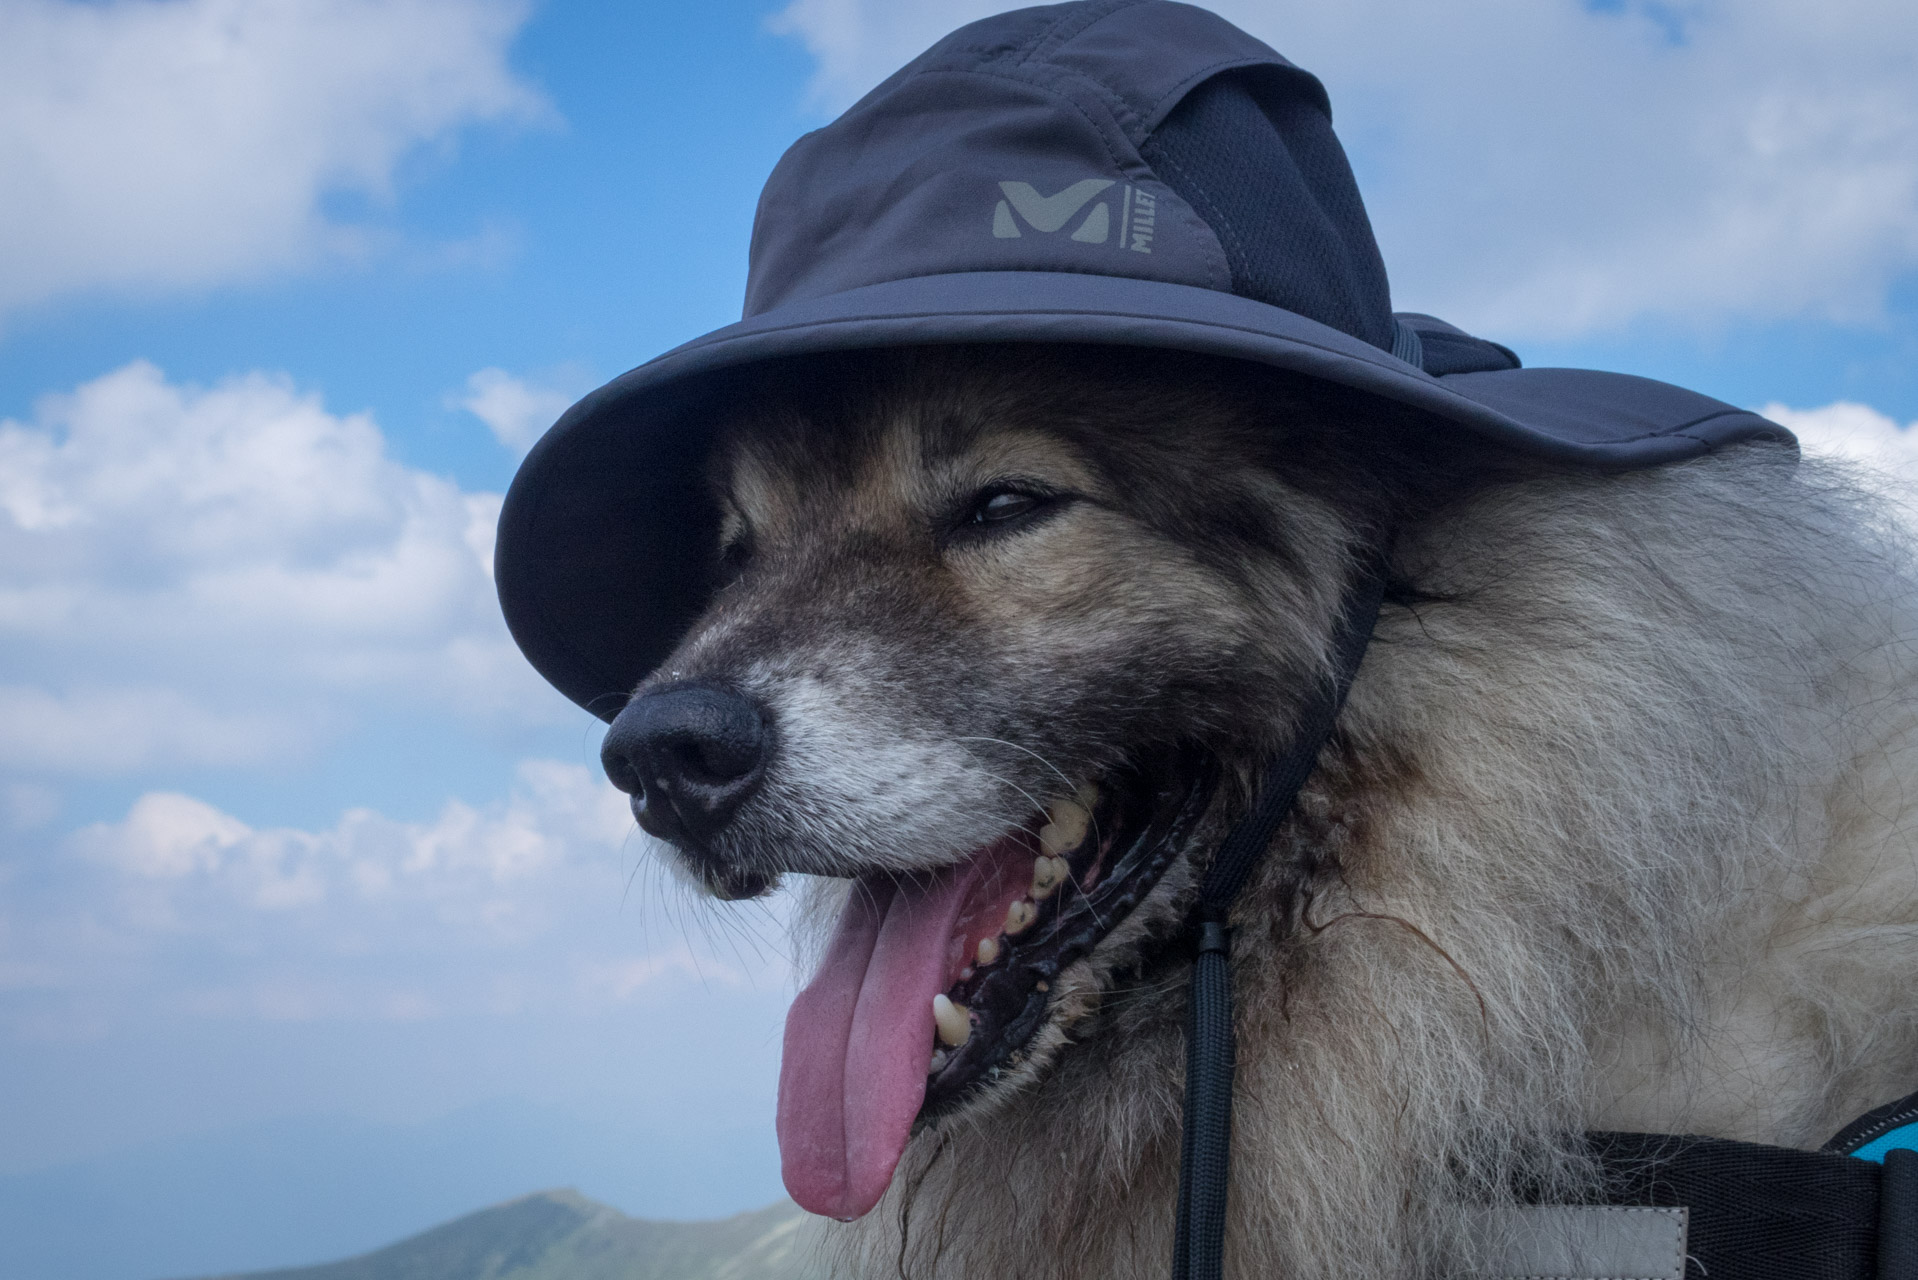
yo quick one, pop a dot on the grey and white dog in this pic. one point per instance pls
(1615, 830)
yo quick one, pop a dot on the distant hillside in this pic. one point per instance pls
(297, 1190)
(561, 1235)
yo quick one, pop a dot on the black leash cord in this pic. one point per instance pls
(1206, 1142)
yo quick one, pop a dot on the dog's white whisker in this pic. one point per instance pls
(1031, 799)
(1045, 763)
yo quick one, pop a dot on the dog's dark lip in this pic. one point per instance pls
(724, 880)
(1150, 813)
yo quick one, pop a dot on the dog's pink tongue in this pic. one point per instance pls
(858, 1040)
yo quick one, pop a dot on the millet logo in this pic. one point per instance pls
(1137, 213)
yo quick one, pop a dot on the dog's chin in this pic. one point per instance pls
(1042, 905)
(729, 884)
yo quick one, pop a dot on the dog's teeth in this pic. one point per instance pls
(1067, 828)
(988, 951)
(955, 1028)
(1087, 795)
(1047, 875)
(939, 1059)
(1019, 917)
(1042, 985)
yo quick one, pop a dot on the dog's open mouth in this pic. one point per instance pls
(932, 987)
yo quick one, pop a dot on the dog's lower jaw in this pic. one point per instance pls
(1152, 814)
(1087, 1023)
(934, 989)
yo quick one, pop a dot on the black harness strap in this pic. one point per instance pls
(1898, 1216)
(1205, 1156)
(1772, 1213)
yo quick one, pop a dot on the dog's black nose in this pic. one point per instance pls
(688, 756)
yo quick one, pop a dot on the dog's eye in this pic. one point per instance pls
(997, 505)
(1007, 507)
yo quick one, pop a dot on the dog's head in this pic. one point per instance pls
(1001, 634)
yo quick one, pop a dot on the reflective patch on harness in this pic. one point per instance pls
(1579, 1242)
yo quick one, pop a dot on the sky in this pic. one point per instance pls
(310, 891)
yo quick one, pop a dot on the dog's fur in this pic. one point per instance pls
(1613, 832)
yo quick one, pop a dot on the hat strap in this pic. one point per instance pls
(1205, 1154)
(1406, 343)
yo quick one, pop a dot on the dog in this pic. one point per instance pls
(1613, 832)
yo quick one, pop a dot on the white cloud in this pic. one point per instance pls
(858, 43)
(226, 575)
(165, 144)
(117, 729)
(468, 865)
(514, 410)
(167, 835)
(1847, 429)
(1561, 168)
(543, 899)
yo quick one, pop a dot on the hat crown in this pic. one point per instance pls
(1134, 138)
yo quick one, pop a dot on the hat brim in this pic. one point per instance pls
(607, 530)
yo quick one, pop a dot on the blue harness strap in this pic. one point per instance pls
(1892, 1127)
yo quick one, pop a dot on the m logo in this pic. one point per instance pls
(1050, 213)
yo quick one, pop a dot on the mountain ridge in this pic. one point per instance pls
(562, 1235)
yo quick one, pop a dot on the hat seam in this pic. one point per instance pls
(1235, 252)
(1380, 360)
(1036, 58)
(1383, 357)
(1037, 62)
(1145, 117)
(1059, 73)
(1373, 356)
(1684, 429)
(1126, 114)
(1173, 96)
(1072, 26)
(1047, 74)
(1021, 51)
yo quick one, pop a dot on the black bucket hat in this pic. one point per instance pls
(1127, 172)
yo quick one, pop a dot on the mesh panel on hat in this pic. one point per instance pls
(1255, 156)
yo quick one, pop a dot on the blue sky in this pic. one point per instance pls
(305, 879)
